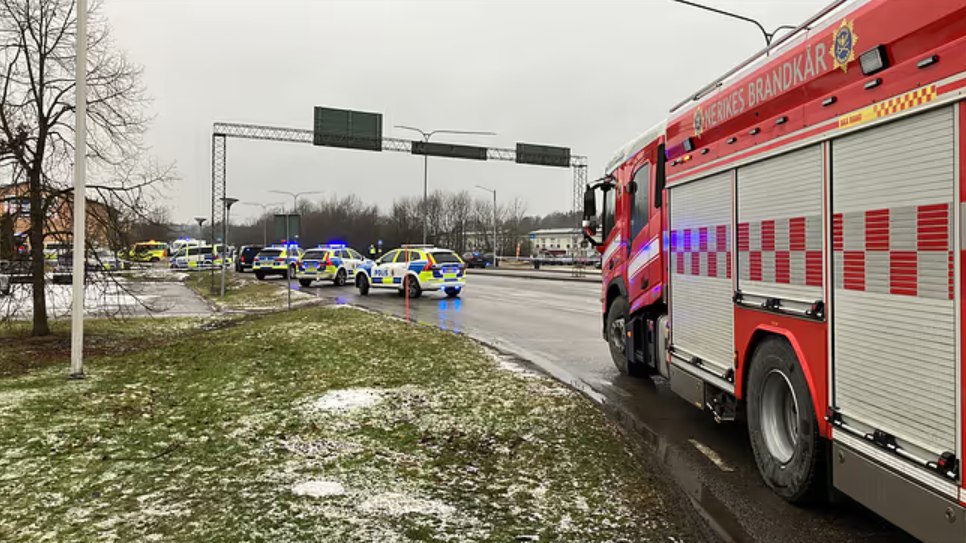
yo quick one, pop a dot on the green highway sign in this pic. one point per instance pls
(288, 226)
(348, 129)
(449, 150)
(543, 155)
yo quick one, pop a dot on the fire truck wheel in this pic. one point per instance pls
(617, 337)
(782, 425)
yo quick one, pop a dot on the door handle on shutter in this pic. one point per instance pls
(645, 283)
(610, 265)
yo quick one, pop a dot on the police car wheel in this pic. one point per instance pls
(291, 272)
(412, 286)
(452, 292)
(155, 259)
(339, 278)
(363, 283)
(260, 275)
(305, 282)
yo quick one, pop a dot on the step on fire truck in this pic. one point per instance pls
(789, 244)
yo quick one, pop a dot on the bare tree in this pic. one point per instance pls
(37, 74)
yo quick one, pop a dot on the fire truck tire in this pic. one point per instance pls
(616, 338)
(782, 424)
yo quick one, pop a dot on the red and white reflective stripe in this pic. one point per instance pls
(612, 248)
(702, 251)
(905, 250)
(643, 257)
(784, 251)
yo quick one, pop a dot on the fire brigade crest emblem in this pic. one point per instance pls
(843, 45)
(698, 121)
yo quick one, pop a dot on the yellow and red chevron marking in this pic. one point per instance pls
(891, 106)
(910, 99)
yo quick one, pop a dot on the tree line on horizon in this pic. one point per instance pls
(455, 220)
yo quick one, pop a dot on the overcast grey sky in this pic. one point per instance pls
(590, 75)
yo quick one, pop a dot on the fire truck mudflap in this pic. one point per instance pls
(895, 381)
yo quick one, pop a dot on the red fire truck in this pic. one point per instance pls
(789, 246)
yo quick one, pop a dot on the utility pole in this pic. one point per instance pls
(80, 196)
(224, 240)
(426, 135)
(265, 208)
(494, 224)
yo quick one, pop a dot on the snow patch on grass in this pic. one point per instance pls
(348, 399)
(397, 504)
(318, 489)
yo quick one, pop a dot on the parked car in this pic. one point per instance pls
(106, 260)
(476, 259)
(16, 271)
(246, 257)
(336, 263)
(416, 269)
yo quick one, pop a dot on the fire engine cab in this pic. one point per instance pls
(789, 244)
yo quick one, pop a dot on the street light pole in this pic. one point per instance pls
(494, 223)
(264, 212)
(768, 35)
(295, 197)
(426, 135)
(228, 202)
(201, 234)
(80, 196)
(288, 235)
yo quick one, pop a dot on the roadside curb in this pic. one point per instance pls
(546, 276)
(645, 442)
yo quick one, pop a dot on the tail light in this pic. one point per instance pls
(430, 263)
(280, 260)
(328, 259)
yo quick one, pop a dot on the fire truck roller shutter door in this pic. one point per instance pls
(701, 309)
(780, 228)
(894, 320)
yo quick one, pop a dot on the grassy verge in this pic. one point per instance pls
(20, 353)
(315, 425)
(244, 292)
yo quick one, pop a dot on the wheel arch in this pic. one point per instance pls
(763, 332)
(615, 289)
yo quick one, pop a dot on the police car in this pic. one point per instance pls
(198, 257)
(336, 263)
(276, 260)
(416, 268)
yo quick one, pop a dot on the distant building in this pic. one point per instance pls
(560, 241)
(15, 203)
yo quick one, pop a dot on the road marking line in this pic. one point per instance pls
(712, 455)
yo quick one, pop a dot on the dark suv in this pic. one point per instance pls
(246, 257)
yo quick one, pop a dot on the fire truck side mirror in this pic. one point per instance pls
(590, 203)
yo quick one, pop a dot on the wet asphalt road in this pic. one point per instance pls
(558, 325)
